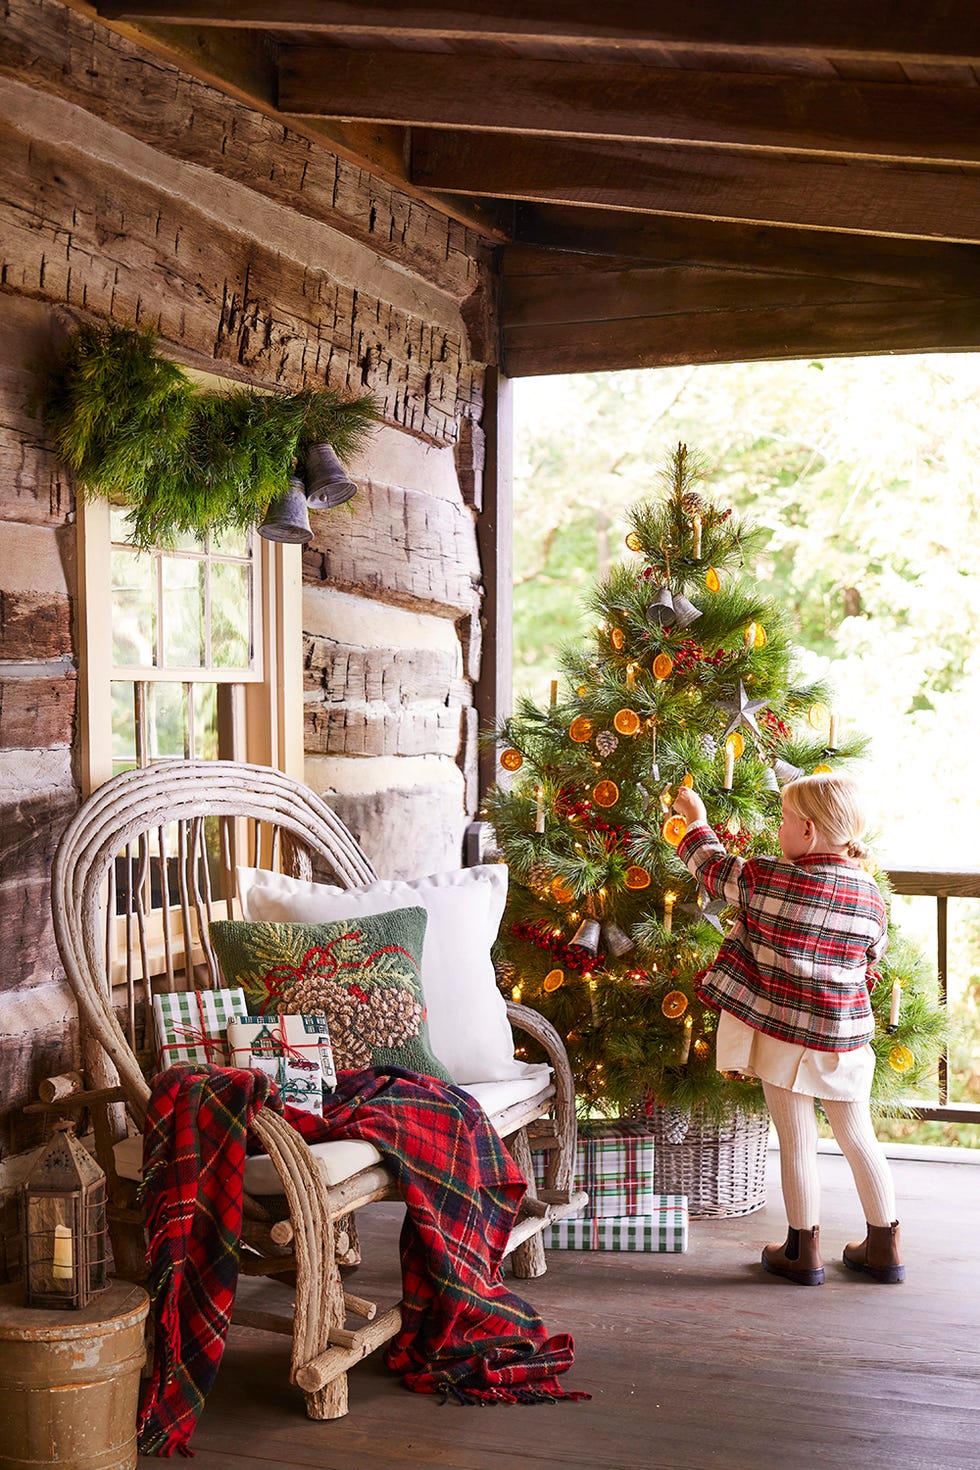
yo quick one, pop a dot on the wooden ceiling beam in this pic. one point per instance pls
(543, 230)
(943, 31)
(920, 122)
(868, 198)
(850, 329)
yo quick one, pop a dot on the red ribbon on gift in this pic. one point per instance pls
(288, 1049)
(212, 1046)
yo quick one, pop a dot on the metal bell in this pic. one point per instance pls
(288, 516)
(586, 936)
(661, 610)
(786, 771)
(327, 482)
(769, 780)
(617, 941)
(685, 611)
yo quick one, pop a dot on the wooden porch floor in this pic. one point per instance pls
(694, 1361)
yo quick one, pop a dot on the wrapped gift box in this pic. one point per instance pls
(294, 1051)
(192, 1025)
(614, 1165)
(663, 1229)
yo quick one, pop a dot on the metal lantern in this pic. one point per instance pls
(327, 482)
(64, 1225)
(288, 516)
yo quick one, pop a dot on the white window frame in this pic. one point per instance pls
(266, 702)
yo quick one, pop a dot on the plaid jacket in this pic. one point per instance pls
(798, 961)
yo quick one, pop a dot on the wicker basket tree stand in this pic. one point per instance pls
(720, 1166)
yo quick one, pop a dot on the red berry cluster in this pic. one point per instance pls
(567, 805)
(572, 956)
(689, 654)
(778, 729)
(737, 842)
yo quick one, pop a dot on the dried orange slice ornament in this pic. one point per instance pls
(553, 980)
(712, 580)
(580, 730)
(633, 542)
(737, 742)
(822, 770)
(755, 636)
(674, 1004)
(688, 781)
(662, 665)
(818, 715)
(673, 830)
(511, 760)
(617, 638)
(605, 793)
(626, 721)
(560, 891)
(636, 878)
(900, 1059)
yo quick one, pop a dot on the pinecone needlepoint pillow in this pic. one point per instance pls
(364, 973)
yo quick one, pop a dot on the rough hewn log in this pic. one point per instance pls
(426, 559)
(405, 831)
(34, 625)
(25, 912)
(37, 713)
(34, 486)
(84, 233)
(471, 458)
(64, 52)
(27, 1057)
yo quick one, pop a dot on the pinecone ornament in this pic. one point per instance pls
(605, 743)
(676, 1122)
(709, 746)
(538, 875)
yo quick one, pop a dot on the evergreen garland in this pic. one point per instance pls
(137, 431)
(644, 707)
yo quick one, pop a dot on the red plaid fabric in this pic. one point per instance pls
(463, 1334)
(798, 961)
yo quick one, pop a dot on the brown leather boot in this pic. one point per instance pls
(878, 1254)
(798, 1259)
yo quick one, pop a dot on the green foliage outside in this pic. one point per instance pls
(860, 475)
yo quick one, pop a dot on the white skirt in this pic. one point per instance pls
(840, 1076)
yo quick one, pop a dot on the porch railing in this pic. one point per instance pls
(942, 886)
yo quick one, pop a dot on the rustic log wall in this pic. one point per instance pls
(132, 192)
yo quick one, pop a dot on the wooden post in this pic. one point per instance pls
(495, 531)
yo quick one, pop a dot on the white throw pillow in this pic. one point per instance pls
(467, 1016)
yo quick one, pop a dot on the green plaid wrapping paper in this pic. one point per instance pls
(191, 1025)
(663, 1229)
(614, 1165)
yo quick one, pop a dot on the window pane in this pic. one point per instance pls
(123, 726)
(134, 612)
(183, 603)
(232, 542)
(166, 720)
(230, 615)
(205, 721)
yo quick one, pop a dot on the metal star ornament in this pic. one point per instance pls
(742, 710)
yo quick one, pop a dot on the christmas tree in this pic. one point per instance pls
(689, 677)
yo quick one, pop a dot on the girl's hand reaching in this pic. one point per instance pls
(688, 804)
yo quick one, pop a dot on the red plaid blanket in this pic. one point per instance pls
(464, 1333)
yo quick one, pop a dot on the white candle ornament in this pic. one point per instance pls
(696, 549)
(686, 1042)
(669, 900)
(896, 1004)
(729, 764)
(832, 733)
(554, 693)
(539, 814)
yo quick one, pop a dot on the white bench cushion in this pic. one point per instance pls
(341, 1158)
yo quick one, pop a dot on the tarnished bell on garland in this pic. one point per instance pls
(288, 517)
(327, 482)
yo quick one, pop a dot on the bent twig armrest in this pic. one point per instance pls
(523, 1018)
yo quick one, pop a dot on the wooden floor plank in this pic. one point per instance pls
(694, 1361)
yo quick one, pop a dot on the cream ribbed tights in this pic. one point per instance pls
(795, 1122)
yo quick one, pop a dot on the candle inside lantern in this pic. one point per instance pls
(696, 548)
(832, 732)
(63, 1259)
(554, 693)
(539, 813)
(729, 763)
(686, 1040)
(669, 900)
(896, 1002)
